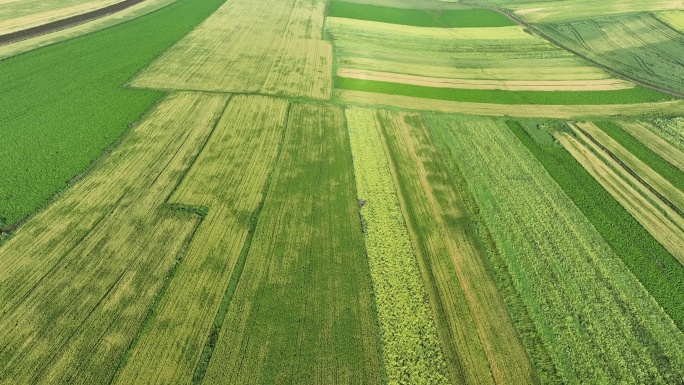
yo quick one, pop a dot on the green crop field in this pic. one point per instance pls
(343, 192)
(448, 18)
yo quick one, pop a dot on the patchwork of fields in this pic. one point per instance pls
(343, 192)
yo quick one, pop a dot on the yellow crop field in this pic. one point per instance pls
(655, 142)
(661, 221)
(526, 110)
(227, 178)
(674, 19)
(473, 323)
(271, 47)
(410, 344)
(301, 313)
(79, 278)
(18, 15)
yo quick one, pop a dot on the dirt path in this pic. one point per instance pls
(607, 69)
(66, 23)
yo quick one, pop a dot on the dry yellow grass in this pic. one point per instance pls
(473, 322)
(643, 171)
(517, 110)
(272, 47)
(658, 220)
(79, 278)
(655, 143)
(18, 15)
(493, 84)
(228, 178)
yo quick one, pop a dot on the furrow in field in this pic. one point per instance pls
(411, 348)
(228, 178)
(490, 84)
(79, 291)
(475, 328)
(661, 221)
(302, 312)
(655, 143)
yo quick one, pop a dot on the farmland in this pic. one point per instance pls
(343, 192)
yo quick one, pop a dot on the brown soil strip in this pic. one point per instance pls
(66, 23)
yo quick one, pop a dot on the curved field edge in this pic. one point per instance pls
(624, 96)
(446, 18)
(656, 269)
(67, 121)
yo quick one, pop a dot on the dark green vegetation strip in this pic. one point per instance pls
(451, 18)
(626, 96)
(653, 160)
(62, 105)
(657, 270)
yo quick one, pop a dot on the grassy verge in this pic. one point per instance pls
(626, 96)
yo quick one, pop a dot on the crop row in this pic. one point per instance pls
(410, 346)
(597, 322)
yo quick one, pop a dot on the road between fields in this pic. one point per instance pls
(66, 23)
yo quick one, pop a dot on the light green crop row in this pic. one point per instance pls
(411, 351)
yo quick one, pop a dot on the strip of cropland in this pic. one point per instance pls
(638, 46)
(410, 346)
(271, 47)
(477, 335)
(302, 312)
(20, 15)
(664, 222)
(78, 279)
(675, 19)
(62, 105)
(654, 266)
(647, 134)
(495, 65)
(228, 180)
(515, 110)
(447, 18)
(597, 321)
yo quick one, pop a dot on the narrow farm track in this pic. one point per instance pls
(66, 23)
(608, 69)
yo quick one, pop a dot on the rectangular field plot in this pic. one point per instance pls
(79, 278)
(597, 321)
(271, 47)
(549, 11)
(639, 46)
(301, 311)
(227, 182)
(664, 137)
